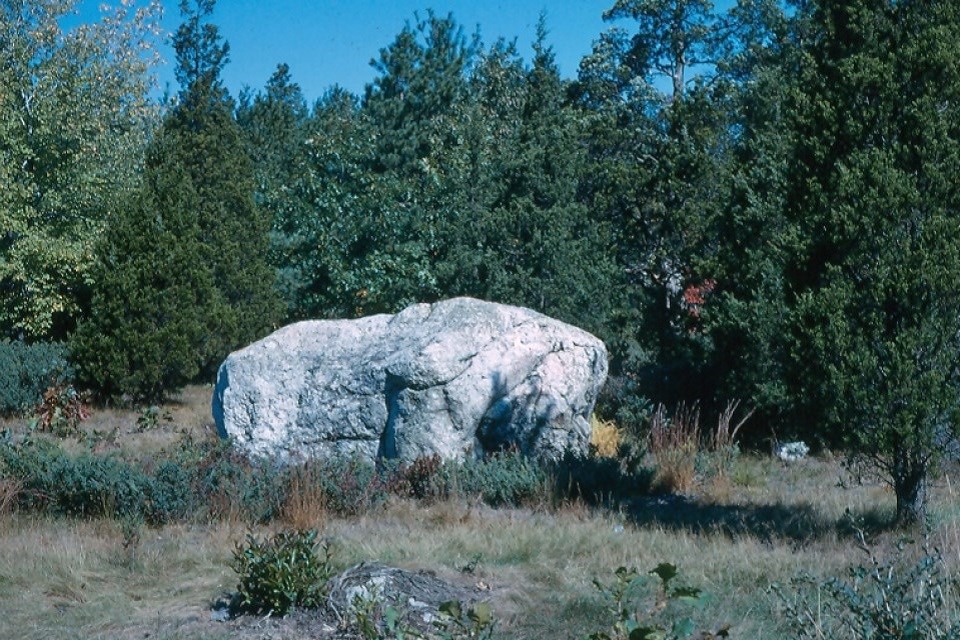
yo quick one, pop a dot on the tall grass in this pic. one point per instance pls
(674, 443)
(305, 502)
(682, 448)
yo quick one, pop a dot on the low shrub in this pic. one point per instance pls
(352, 486)
(281, 572)
(172, 495)
(83, 485)
(61, 411)
(878, 600)
(235, 488)
(599, 480)
(419, 479)
(641, 613)
(621, 400)
(26, 370)
(49, 480)
(506, 478)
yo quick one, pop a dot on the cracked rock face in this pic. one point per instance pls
(457, 378)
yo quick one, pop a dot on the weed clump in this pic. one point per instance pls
(640, 615)
(281, 572)
(877, 600)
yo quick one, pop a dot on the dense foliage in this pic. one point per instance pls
(182, 277)
(733, 200)
(26, 370)
(74, 120)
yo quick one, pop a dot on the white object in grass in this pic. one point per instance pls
(793, 451)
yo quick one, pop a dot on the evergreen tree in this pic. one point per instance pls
(274, 128)
(852, 188)
(671, 37)
(183, 277)
(155, 297)
(206, 142)
(524, 237)
(748, 323)
(658, 167)
(874, 198)
(334, 254)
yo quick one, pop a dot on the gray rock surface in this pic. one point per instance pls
(418, 594)
(456, 378)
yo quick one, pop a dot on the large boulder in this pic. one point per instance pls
(456, 378)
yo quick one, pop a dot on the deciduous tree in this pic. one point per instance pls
(74, 119)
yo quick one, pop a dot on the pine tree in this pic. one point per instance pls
(878, 213)
(274, 128)
(206, 142)
(155, 296)
(518, 232)
(183, 277)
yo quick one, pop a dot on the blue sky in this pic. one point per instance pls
(329, 42)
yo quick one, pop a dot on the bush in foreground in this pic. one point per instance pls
(878, 600)
(281, 572)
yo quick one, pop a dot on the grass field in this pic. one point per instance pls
(762, 522)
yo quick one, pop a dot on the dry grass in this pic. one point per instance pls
(66, 579)
(9, 490)
(114, 429)
(674, 443)
(69, 579)
(605, 437)
(305, 505)
(62, 578)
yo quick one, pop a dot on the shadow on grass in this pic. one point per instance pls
(767, 522)
(606, 484)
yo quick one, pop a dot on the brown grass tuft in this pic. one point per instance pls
(9, 491)
(604, 437)
(305, 503)
(674, 443)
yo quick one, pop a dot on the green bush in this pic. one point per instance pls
(501, 479)
(640, 615)
(90, 485)
(173, 497)
(598, 480)
(84, 485)
(26, 370)
(232, 485)
(879, 600)
(351, 486)
(281, 572)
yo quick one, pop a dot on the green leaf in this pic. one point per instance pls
(690, 595)
(666, 572)
(648, 633)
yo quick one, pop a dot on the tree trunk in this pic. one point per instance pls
(911, 490)
(677, 77)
